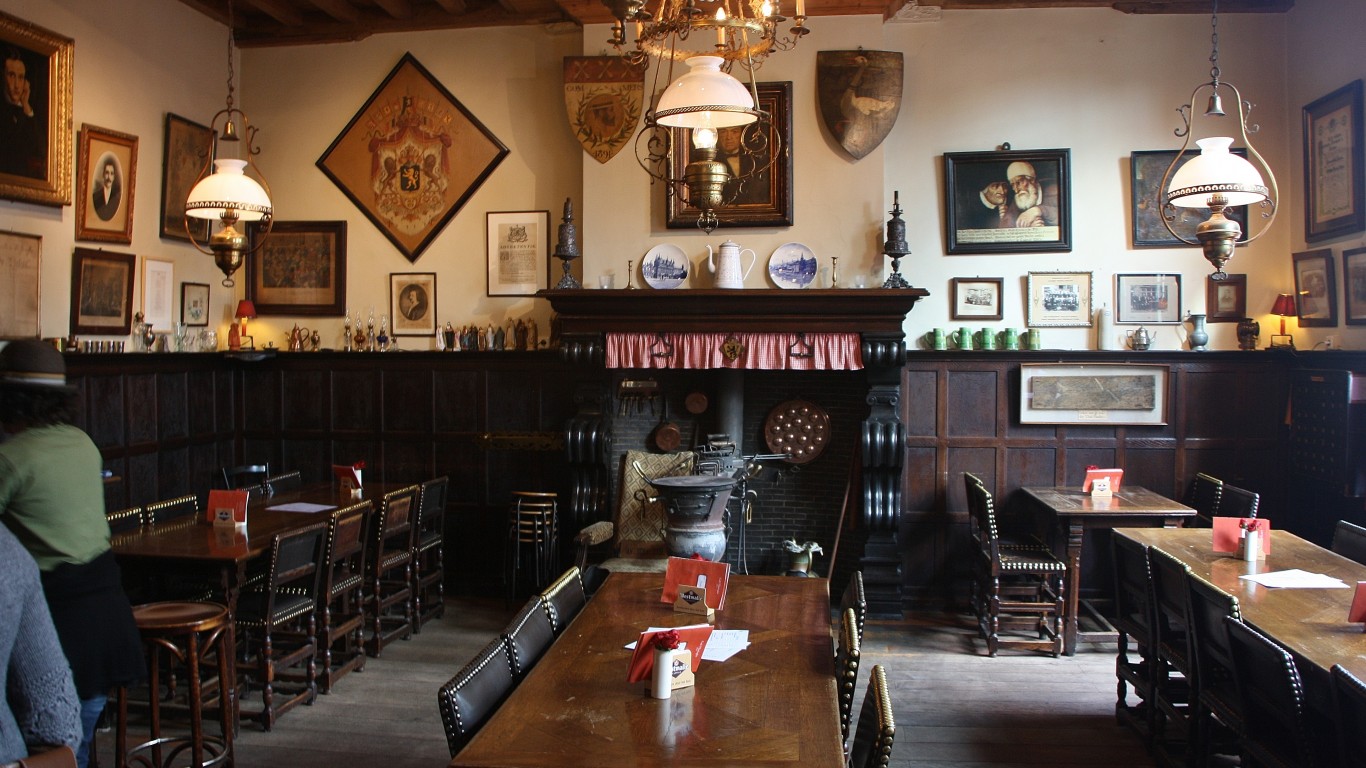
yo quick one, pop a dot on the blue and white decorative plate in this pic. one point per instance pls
(792, 265)
(664, 266)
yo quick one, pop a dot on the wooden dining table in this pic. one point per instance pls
(772, 704)
(1071, 512)
(195, 545)
(1310, 623)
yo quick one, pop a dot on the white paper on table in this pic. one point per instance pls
(300, 506)
(724, 643)
(1295, 579)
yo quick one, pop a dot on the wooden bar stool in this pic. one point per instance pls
(182, 636)
(531, 528)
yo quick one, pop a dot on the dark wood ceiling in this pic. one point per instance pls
(303, 22)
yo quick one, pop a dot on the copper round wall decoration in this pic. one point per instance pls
(798, 429)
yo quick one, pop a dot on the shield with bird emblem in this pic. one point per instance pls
(860, 96)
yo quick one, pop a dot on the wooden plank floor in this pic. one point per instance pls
(953, 705)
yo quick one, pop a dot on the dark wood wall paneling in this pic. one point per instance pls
(166, 422)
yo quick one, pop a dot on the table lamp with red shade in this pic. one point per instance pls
(237, 334)
(1284, 307)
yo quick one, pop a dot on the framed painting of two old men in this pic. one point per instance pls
(1008, 201)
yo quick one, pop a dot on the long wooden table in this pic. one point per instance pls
(195, 544)
(772, 704)
(1072, 512)
(1310, 623)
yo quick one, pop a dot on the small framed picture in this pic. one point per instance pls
(1008, 202)
(412, 303)
(102, 292)
(1150, 299)
(158, 294)
(1315, 289)
(1226, 300)
(518, 252)
(107, 163)
(976, 298)
(1059, 300)
(194, 304)
(1354, 285)
(20, 269)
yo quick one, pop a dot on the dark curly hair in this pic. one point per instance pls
(34, 408)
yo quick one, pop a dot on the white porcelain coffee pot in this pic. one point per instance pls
(727, 267)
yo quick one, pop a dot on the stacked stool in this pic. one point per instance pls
(533, 531)
(179, 637)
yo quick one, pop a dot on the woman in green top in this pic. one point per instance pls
(52, 500)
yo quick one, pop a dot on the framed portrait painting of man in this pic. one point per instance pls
(102, 292)
(1008, 201)
(35, 113)
(107, 164)
(412, 303)
(759, 159)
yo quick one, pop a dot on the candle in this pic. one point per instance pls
(801, 8)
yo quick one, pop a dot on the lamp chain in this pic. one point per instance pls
(231, 74)
(1214, 45)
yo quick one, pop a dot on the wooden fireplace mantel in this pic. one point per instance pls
(870, 311)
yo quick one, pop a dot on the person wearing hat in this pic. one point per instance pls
(1029, 197)
(52, 500)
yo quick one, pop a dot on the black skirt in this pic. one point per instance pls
(95, 625)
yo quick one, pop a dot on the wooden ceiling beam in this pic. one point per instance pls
(337, 9)
(399, 9)
(456, 7)
(280, 10)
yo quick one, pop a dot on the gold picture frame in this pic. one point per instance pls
(411, 157)
(35, 164)
(107, 183)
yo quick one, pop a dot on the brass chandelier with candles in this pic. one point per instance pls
(710, 37)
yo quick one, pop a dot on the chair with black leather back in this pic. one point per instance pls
(854, 597)
(468, 699)
(1271, 698)
(277, 627)
(242, 476)
(1018, 587)
(1135, 619)
(1349, 699)
(389, 597)
(1204, 499)
(285, 482)
(564, 598)
(1238, 502)
(1349, 540)
(847, 656)
(127, 519)
(528, 634)
(341, 597)
(1218, 711)
(172, 509)
(876, 730)
(429, 558)
(1171, 685)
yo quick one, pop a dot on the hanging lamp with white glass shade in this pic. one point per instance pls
(228, 194)
(1216, 178)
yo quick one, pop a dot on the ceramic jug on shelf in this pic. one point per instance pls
(726, 266)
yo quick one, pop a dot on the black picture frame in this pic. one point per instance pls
(194, 304)
(300, 268)
(765, 201)
(1333, 165)
(1226, 299)
(1316, 298)
(102, 292)
(976, 298)
(1354, 286)
(184, 156)
(1146, 169)
(973, 226)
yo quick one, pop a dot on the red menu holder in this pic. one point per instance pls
(694, 637)
(1102, 482)
(1357, 613)
(708, 582)
(349, 477)
(1228, 533)
(228, 508)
